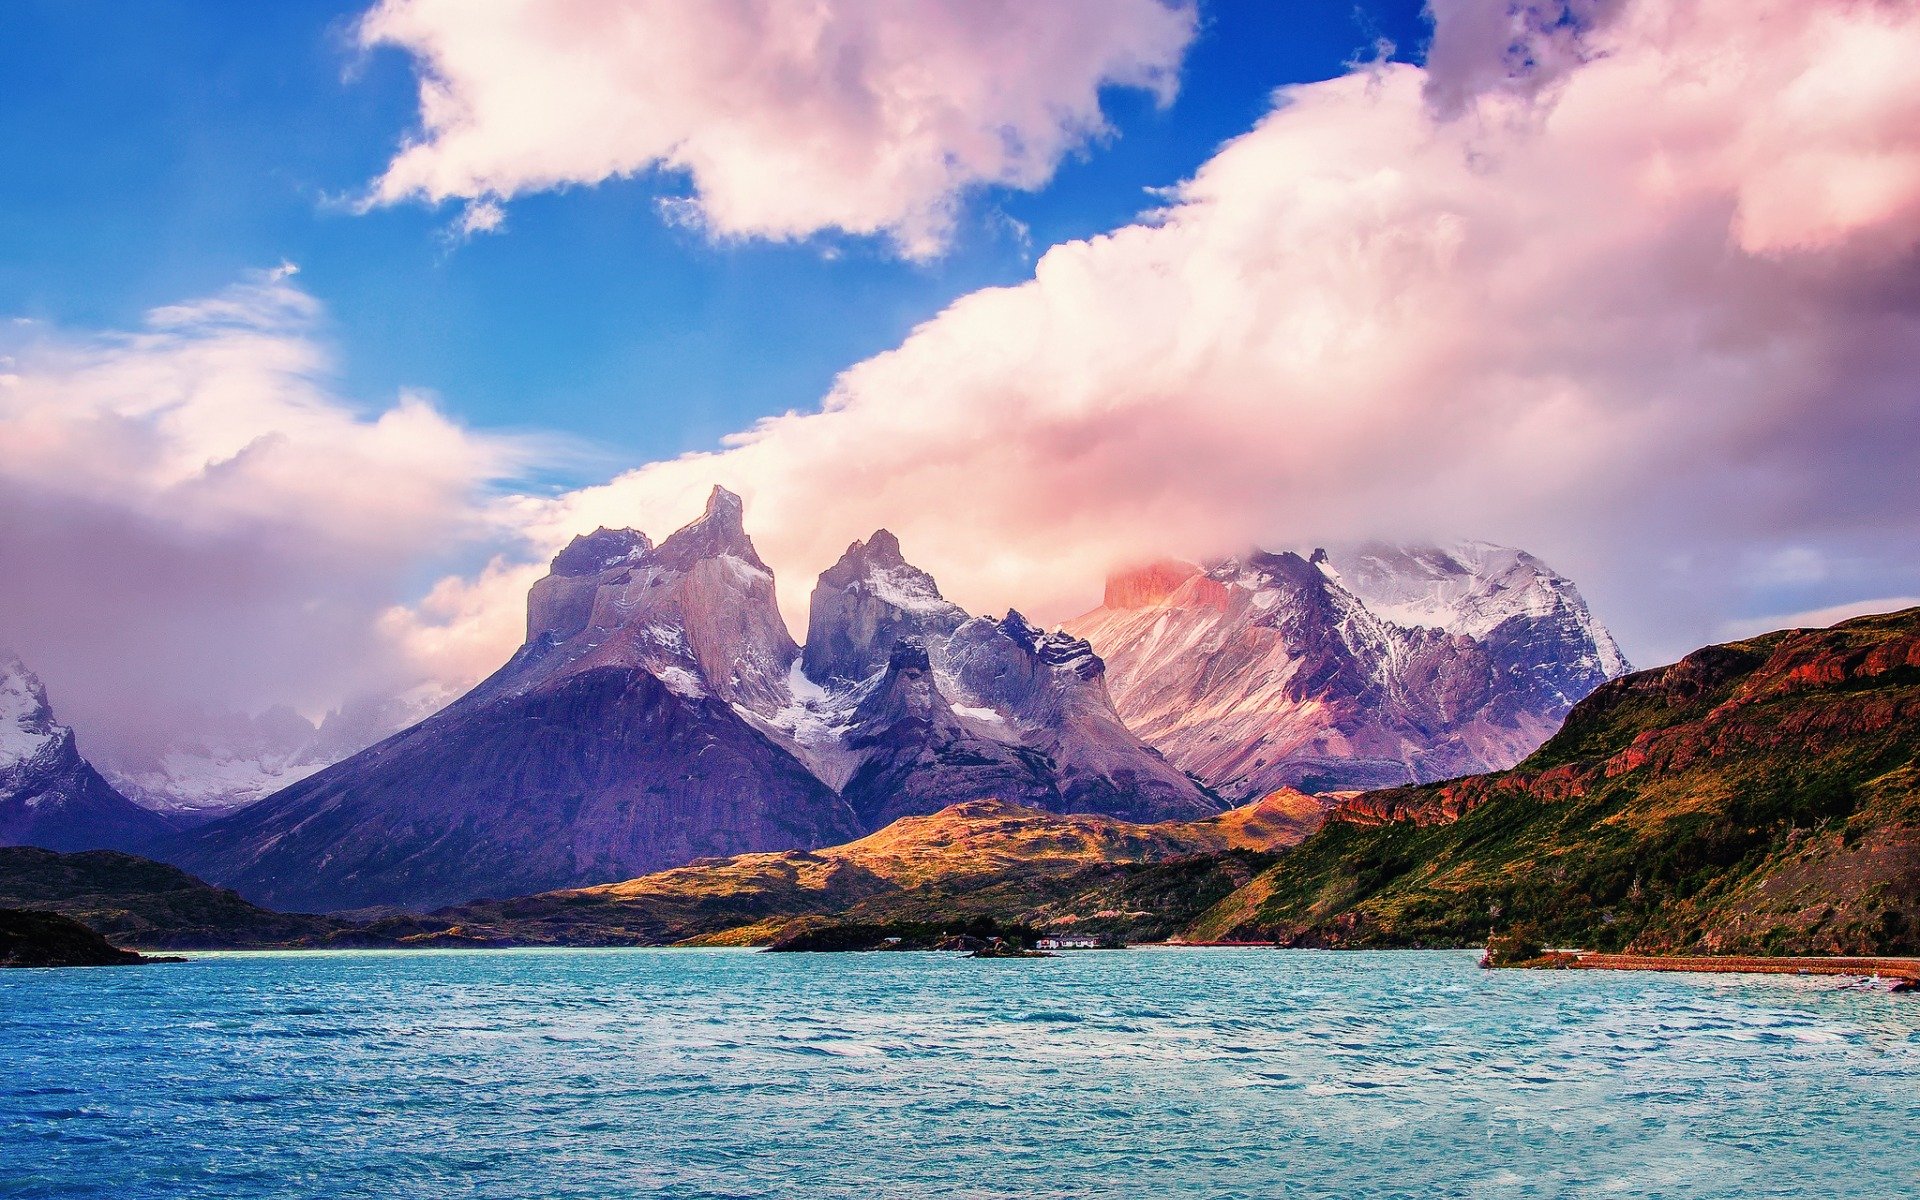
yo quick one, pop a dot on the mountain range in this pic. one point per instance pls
(659, 712)
(1757, 797)
(1365, 668)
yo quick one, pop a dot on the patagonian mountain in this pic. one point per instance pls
(1366, 668)
(906, 704)
(611, 744)
(49, 795)
(1758, 797)
(660, 712)
(232, 759)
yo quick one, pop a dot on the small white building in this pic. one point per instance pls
(1069, 941)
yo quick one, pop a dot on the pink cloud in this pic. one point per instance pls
(1610, 319)
(1656, 318)
(195, 520)
(872, 117)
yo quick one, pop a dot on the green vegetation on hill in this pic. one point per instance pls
(980, 860)
(1759, 797)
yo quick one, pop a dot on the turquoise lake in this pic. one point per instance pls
(675, 1073)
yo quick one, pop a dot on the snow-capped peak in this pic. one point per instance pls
(1468, 587)
(27, 727)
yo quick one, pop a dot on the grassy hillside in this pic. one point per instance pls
(1756, 797)
(983, 858)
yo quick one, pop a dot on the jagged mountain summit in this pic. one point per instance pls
(659, 712)
(1362, 668)
(50, 796)
(609, 745)
(907, 704)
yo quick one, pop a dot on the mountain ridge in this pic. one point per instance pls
(1268, 670)
(1756, 797)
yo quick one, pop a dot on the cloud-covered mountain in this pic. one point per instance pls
(234, 759)
(50, 796)
(1370, 667)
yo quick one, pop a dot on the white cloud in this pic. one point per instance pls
(192, 519)
(787, 118)
(1656, 321)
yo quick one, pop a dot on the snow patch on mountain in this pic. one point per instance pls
(247, 757)
(27, 728)
(1469, 588)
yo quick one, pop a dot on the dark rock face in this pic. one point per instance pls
(937, 708)
(49, 795)
(866, 603)
(43, 939)
(918, 757)
(609, 746)
(1361, 669)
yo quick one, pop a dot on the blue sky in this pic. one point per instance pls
(191, 141)
(1632, 291)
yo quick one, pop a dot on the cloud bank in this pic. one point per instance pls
(1654, 314)
(870, 116)
(195, 521)
(1641, 294)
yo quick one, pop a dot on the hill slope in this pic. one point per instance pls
(983, 857)
(138, 902)
(1756, 797)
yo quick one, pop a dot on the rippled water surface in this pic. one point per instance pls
(728, 1073)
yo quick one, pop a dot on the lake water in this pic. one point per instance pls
(1146, 1073)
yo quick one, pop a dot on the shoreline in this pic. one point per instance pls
(1891, 967)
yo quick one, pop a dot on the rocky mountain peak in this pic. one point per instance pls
(698, 612)
(864, 604)
(601, 550)
(1367, 666)
(719, 531)
(49, 795)
(27, 728)
(880, 550)
(1148, 584)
